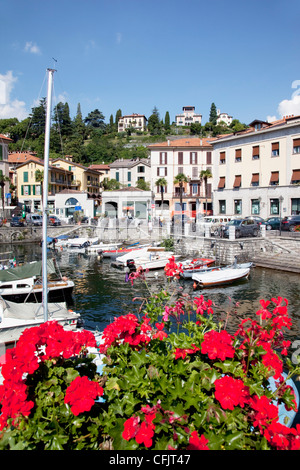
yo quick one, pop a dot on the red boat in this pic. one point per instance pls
(195, 265)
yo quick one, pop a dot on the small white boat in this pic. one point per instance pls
(24, 283)
(195, 265)
(102, 247)
(156, 260)
(16, 317)
(222, 275)
(144, 253)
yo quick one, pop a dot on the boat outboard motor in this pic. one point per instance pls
(130, 264)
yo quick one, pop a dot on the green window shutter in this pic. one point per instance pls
(33, 189)
(25, 177)
(1, 152)
(22, 190)
(29, 190)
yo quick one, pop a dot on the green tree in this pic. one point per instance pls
(154, 126)
(118, 116)
(78, 124)
(167, 124)
(62, 120)
(95, 119)
(204, 176)
(38, 119)
(142, 184)
(213, 116)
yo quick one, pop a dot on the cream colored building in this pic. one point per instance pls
(189, 156)
(136, 121)
(223, 117)
(257, 171)
(188, 117)
(128, 172)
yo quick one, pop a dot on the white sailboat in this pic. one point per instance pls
(15, 317)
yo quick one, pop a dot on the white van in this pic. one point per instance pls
(216, 222)
(34, 219)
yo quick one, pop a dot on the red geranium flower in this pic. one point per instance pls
(81, 394)
(231, 392)
(196, 443)
(217, 345)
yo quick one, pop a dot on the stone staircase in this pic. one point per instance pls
(281, 253)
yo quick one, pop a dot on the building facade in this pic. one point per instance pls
(257, 171)
(138, 122)
(189, 156)
(83, 178)
(188, 117)
(30, 185)
(223, 117)
(128, 172)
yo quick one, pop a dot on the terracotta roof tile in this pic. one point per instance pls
(184, 142)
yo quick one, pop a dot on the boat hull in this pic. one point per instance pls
(220, 277)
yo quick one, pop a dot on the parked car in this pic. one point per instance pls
(273, 223)
(243, 228)
(257, 219)
(17, 222)
(53, 220)
(34, 219)
(290, 222)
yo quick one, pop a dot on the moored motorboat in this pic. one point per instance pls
(195, 265)
(221, 275)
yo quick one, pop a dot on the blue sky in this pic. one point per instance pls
(134, 55)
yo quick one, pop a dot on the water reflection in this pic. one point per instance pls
(102, 293)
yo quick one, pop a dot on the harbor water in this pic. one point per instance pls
(101, 292)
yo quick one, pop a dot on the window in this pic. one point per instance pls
(161, 171)
(255, 152)
(274, 180)
(222, 157)
(194, 189)
(208, 158)
(295, 177)
(25, 177)
(255, 206)
(222, 207)
(1, 152)
(117, 176)
(296, 146)
(195, 172)
(238, 206)
(238, 155)
(193, 158)
(180, 158)
(180, 170)
(275, 149)
(255, 179)
(237, 182)
(221, 182)
(163, 158)
(141, 169)
(274, 206)
(295, 206)
(129, 176)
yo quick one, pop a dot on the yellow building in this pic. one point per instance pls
(83, 178)
(29, 185)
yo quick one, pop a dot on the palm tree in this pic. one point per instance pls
(204, 175)
(180, 179)
(3, 180)
(162, 182)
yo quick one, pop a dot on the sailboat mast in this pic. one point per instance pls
(45, 193)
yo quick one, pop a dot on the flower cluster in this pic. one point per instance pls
(201, 388)
(172, 269)
(36, 345)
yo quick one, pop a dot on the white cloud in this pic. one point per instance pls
(291, 106)
(288, 107)
(32, 48)
(10, 108)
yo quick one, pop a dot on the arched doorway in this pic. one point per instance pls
(111, 209)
